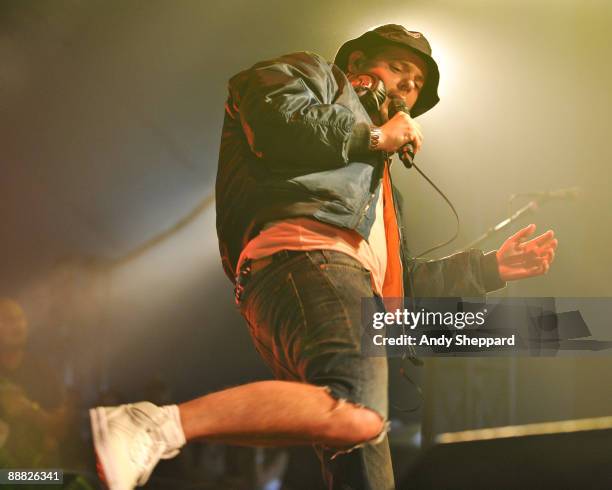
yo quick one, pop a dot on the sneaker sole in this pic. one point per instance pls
(99, 429)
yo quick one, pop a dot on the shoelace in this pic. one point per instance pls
(146, 449)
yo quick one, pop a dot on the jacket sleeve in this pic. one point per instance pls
(471, 273)
(288, 113)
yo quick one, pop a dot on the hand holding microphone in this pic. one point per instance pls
(400, 133)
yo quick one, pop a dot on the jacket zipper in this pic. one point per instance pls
(370, 200)
(367, 206)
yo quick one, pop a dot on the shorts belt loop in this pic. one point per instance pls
(282, 255)
(327, 258)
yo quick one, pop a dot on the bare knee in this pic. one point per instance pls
(351, 424)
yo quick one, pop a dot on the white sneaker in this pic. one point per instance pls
(129, 441)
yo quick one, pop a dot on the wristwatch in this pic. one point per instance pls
(375, 134)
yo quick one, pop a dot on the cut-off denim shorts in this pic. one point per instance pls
(304, 315)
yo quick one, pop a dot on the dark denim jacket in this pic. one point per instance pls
(295, 143)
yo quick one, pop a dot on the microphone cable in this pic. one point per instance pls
(372, 93)
(414, 360)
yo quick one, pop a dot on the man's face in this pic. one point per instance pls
(401, 70)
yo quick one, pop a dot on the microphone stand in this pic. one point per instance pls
(530, 207)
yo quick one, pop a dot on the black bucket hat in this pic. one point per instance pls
(397, 35)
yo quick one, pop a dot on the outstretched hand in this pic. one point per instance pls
(519, 259)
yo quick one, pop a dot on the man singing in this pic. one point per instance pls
(308, 225)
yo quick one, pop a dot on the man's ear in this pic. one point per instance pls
(355, 61)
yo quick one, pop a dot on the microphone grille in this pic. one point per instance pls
(396, 105)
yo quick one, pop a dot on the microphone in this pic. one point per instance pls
(406, 152)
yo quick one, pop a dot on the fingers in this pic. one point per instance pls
(539, 248)
(522, 260)
(400, 130)
(417, 137)
(548, 252)
(410, 131)
(525, 265)
(551, 250)
(540, 240)
(523, 233)
(550, 256)
(533, 258)
(416, 141)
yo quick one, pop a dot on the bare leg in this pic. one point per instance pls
(273, 413)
